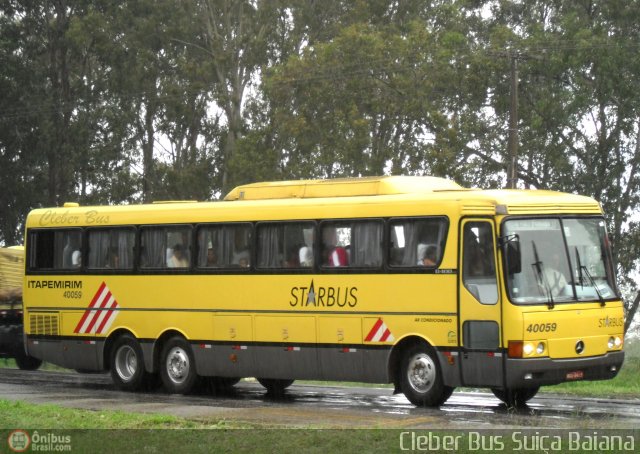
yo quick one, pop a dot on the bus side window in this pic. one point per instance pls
(165, 247)
(355, 244)
(224, 246)
(417, 242)
(285, 245)
(56, 250)
(111, 248)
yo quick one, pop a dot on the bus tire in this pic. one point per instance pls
(515, 397)
(420, 377)
(127, 364)
(275, 385)
(178, 367)
(26, 362)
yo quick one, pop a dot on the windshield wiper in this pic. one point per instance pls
(583, 269)
(593, 282)
(580, 277)
(540, 276)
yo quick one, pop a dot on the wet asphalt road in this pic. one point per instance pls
(321, 406)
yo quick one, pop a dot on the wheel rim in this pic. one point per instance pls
(421, 372)
(126, 362)
(177, 365)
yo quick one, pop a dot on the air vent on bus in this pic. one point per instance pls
(44, 324)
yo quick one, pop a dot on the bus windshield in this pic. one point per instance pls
(561, 260)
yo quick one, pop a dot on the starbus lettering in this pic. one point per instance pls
(611, 322)
(323, 296)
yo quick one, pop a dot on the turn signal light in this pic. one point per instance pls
(515, 349)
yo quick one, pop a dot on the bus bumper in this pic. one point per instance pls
(528, 373)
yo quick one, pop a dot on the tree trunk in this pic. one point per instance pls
(631, 312)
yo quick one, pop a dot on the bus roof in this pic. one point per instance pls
(318, 199)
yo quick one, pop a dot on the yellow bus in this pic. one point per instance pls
(414, 281)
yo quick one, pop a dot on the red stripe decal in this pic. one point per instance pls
(114, 306)
(87, 312)
(373, 330)
(97, 314)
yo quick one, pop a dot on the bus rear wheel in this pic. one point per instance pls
(517, 397)
(178, 370)
(275, 385)
(127, 364)
(420, 377)
(26, 362)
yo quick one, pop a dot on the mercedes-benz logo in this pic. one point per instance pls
(579, 347)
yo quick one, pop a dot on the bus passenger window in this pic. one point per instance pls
(111, 248)
(165, 247)
(285, 245)
(55, 250)
(417, 242)
(356, 244)
(224, 246)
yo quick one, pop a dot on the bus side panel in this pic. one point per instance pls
(226, 360)
(49, 350)
(288, 347)
(230, 354)
(338, 355)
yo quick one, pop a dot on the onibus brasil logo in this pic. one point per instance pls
(20, 441)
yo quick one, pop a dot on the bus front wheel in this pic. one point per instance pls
(515, 397)
(420, 377)
(127, 364)
(178, 371)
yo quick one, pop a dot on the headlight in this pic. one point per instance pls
(540, 348)
(528, 349)
(614, 342)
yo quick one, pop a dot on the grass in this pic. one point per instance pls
(160, 433)
(30, 416)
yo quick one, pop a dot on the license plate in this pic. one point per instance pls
(575, 375)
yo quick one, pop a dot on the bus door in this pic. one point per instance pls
(479, 305)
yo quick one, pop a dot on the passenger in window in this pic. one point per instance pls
(335, 255)
(113, 260)
(71, 255)
(241, 258)
(427, 255)
(555, 278)
(212, 258)
(76, 259)
(293, 257)
(178, 258)
(476, 263)
(306, 257)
